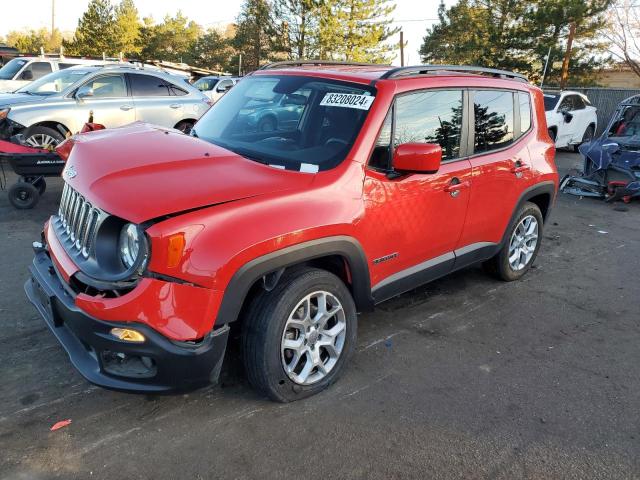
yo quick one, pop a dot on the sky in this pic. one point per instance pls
(413, 16)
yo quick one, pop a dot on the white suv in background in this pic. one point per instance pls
(21, 71)
(571, 119)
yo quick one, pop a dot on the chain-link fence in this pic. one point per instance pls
(604, 99)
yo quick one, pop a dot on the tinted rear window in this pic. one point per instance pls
(148, 86)
(493, 111)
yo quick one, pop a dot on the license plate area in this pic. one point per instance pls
(46, 302)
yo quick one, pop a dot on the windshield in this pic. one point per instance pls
(627, 123)
(55, 82)
(11, 68)
(298, 123)
(550, 102)
(205, 84)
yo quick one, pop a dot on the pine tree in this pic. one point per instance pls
(96, 33)
(256, 36)
(297, 23)
(356, 30)
(127, 28)
(172, 40)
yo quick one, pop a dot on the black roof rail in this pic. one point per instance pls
(425, 69)
(317, 63)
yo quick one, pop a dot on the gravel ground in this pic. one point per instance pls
(467, 377)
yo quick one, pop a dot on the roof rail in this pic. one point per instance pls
(426, 69)
(318, 63)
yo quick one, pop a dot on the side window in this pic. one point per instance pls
(578, 103)
(108, 86)
(525, 111)
(63, 66)
(177, 91)
(566, 105)
(224, 85)
(493, 113)
(381, 158)
(430, 117)
(39, 69)
(148, 86)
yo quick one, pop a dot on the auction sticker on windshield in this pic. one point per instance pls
(347, 100)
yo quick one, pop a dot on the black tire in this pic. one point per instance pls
(264, 325)
(267, 124)
(38, 132)
(41, 185)
(185, 126)
(587, 136)
(499, 265)
(23, 195)
(552, 135)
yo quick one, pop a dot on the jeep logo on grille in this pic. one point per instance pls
(71, 171)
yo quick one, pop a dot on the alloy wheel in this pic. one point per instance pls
(313, 338)
(523, 243)
(41, 140)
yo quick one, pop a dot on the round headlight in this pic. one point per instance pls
(129, 245)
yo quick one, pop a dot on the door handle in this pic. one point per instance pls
(174, 105)
(125, 108)
(455, 186)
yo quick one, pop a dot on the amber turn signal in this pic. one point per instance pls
(127, 335)
(175, 249)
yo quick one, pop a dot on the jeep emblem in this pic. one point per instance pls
(71, 172)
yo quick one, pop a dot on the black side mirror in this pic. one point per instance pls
(26, 75)
(567, 117)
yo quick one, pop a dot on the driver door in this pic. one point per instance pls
(107, 98)
(412, 223)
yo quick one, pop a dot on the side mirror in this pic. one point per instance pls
(226, 88)
(294, 99)
(567, 116)
(26, 75)
(417, 157)
(84, 92)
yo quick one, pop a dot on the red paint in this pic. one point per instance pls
(417, 157)
(142, 172)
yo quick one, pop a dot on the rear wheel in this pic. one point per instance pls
(23, 195)
(185, 126)
(298, 337)
(586, 137)
(43, 137)
(521, 248)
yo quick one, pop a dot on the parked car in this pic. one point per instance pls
(21, 71)
(60, 103)
(389, 180)
(281, 112)
(215, 87)
(571, 119)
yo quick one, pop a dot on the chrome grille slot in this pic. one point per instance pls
(80, 220)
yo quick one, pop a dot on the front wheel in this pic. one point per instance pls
(43, 137)
(521, 246)
(298, 337)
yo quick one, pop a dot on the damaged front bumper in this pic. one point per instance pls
(156, 365)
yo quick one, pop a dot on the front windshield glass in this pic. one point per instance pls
(55, 82)
(550, 102)
(205, 84)
(298, 123)
(11, 68)
(627, 123)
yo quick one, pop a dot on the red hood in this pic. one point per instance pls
(142, 172)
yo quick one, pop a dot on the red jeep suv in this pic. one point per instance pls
(311, 191)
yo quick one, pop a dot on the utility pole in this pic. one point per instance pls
(53, 17)
(564, 76)
(240, 66)
(546, 64)
(401, 48)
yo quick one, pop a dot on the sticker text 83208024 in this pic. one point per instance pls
(347, 100)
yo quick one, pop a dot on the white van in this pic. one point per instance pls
(20, 71)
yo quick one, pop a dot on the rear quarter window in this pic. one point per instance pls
(524, 102)
(494, 122)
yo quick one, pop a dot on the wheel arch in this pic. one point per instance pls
(57, 126)
(541, 194)
(191, 120)
(340, 255)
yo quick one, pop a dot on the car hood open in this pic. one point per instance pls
(141, 172)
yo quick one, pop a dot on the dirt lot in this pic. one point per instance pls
(465, 378)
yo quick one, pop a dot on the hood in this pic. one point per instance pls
(140, 172)
(13, 99)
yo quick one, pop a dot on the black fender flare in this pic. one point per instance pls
(246, 276)
(543, 188)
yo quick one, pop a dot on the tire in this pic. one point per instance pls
(552, 135)
(587, 136)
(185, 126)
(267, 124)
(274, 318)
(501, 265)
(23, 195)
(43, 137)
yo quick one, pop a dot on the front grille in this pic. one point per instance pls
(80, 220)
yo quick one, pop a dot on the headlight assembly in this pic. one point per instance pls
(130, 246)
